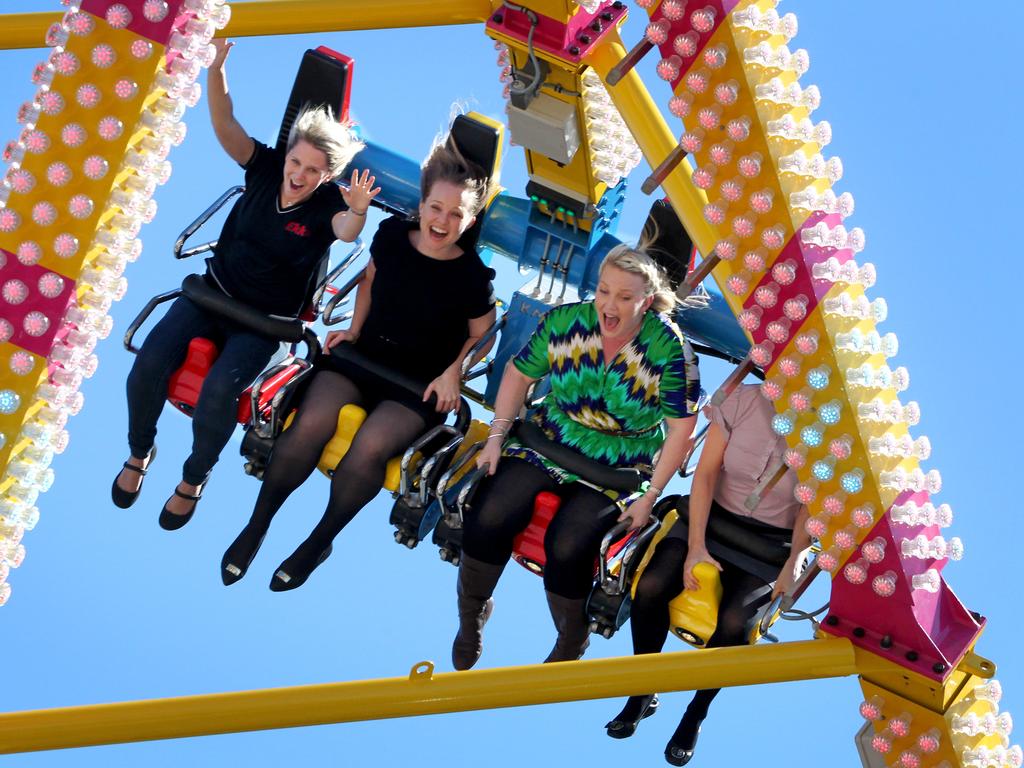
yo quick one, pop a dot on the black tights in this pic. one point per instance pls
(388, 430)
(743, 595)
(503, 506)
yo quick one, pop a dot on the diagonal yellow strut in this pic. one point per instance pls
(289, 17)
(422, 693)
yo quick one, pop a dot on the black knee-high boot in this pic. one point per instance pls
(477, 580)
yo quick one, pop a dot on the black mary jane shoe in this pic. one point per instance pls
(620, 728)
(122, 498)
(681, 754)
(170, 521)
(284, 581)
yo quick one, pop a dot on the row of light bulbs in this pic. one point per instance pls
(87, 320)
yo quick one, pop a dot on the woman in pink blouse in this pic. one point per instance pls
(740, 451)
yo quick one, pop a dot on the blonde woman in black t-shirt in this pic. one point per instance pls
(268, 254)
(424, 303)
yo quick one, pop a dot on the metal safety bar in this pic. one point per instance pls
(417, 445)
(357, 250)
(617, 585)
(129, 335)
(339, 298)
(204, 217)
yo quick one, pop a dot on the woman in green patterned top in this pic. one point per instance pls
(624, 390)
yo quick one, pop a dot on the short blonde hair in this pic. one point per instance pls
(318, 127)
(636, 261)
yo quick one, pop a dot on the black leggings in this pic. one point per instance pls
(743, 595)
(503, 506)
(243, 355)
(388, 430)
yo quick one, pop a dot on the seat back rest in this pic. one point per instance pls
(212, 300)
(186, 383)
(610, 478)
(528, 546)
(324, 78)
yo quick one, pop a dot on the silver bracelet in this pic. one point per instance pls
(657, 491)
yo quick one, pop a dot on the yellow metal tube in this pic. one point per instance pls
(655, 139)
(288, 17)
(422, 693)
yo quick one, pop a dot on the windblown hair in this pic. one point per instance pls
(337, 140)
(636, 261)
(446, 163)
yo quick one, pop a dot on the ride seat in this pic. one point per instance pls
(528, 546)
(693, 614)
(187, 382)
(350, 419)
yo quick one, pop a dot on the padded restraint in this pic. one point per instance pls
(349, 353)
(601, 475)
(209, 298)
(741, 545)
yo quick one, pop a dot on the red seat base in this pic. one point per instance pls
(528, 546)
(187, 382)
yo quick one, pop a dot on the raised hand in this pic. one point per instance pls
(360, 192)
(223, 48)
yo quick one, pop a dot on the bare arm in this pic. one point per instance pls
(507, 405)
(448, 386)
(231, 135)
(702, 492)
(797, 552)
(348, 224)
(673, 451)
(359, 312)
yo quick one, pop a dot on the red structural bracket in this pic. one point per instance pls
(570, 41)
(804, 257)
(158, 31)
(926, 632)
(684, 25)
(52, 309)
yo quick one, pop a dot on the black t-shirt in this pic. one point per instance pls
(267, 257)
(420, 307)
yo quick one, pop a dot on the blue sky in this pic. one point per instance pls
(108, 607)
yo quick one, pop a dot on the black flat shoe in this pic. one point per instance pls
(239, 556)
(681, 754)
(170, 521)
(284, 581)
(622, 727)
(122, 498)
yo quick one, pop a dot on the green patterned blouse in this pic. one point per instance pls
(613, 414)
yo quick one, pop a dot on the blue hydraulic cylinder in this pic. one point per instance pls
(397, 176)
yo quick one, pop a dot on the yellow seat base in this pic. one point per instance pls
(693, 614)
(350, 419)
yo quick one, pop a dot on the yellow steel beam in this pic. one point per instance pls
(288, 17)
(422, 693)
(655, 139)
